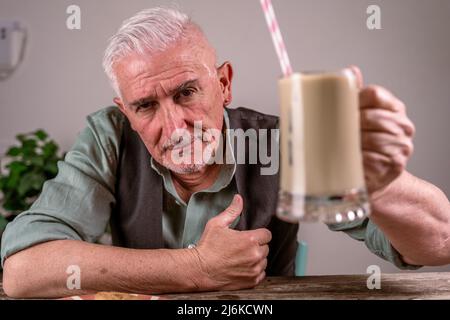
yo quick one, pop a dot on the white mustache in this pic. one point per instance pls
(179, 141)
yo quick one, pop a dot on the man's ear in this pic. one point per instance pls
(225, 74)
(120, 104)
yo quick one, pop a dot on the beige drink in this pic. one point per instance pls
(321, 169)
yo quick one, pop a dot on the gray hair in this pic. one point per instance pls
(149, 31)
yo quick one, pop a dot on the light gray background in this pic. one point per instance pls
(61, 79)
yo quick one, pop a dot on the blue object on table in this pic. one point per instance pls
(301, 259)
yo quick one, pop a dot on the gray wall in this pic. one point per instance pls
(61, 79)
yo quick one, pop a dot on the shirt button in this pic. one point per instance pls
(191, 246)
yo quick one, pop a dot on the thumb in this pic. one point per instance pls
(358, 75)
(226, 217)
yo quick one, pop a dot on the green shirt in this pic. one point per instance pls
(183, 223)
(77, 203)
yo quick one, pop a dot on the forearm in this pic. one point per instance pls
(415, 216)
(40, 271)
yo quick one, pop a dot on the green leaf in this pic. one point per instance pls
(24, 186)
(13, 181)
(21, 137)
(3, 223)
(30, 182)
(41, 134)
(37, 182)
(49, 149)
(15, 204)
(14, 151)
(29, 148)
(29, 143)
(3, 181)
(16, 167)
(38, 161)
(51, 168)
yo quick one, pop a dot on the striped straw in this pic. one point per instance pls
(277, 39)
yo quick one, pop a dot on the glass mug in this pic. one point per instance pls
(322, 177)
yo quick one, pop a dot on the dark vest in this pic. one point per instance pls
(136, 221)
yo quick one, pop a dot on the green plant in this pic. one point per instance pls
(30, 164)
(3, 223)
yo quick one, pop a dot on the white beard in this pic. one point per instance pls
(183, 168)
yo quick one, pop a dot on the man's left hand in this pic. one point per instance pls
(386, 135)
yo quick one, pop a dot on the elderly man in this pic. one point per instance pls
(197, 226)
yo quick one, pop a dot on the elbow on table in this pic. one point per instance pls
(16, 276)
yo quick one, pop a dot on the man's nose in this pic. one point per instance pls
(172, 118)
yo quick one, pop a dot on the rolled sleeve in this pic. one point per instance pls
(379, 244)
(374, 239)
(30, 229)
(77, 203)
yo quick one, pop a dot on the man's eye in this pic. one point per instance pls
(145, 106)
(185, 93)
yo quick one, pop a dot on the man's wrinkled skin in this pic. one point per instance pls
(412, 213)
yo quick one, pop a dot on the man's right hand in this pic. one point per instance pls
(230, 259)
(224, 259)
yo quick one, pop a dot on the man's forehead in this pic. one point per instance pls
(144, 82)
(135, 67)
(139, 76)
(189, 55)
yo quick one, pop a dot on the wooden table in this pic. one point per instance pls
(393, 286)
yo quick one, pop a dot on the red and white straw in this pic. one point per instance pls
(277, 39)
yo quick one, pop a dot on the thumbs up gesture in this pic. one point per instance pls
(230, 259)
